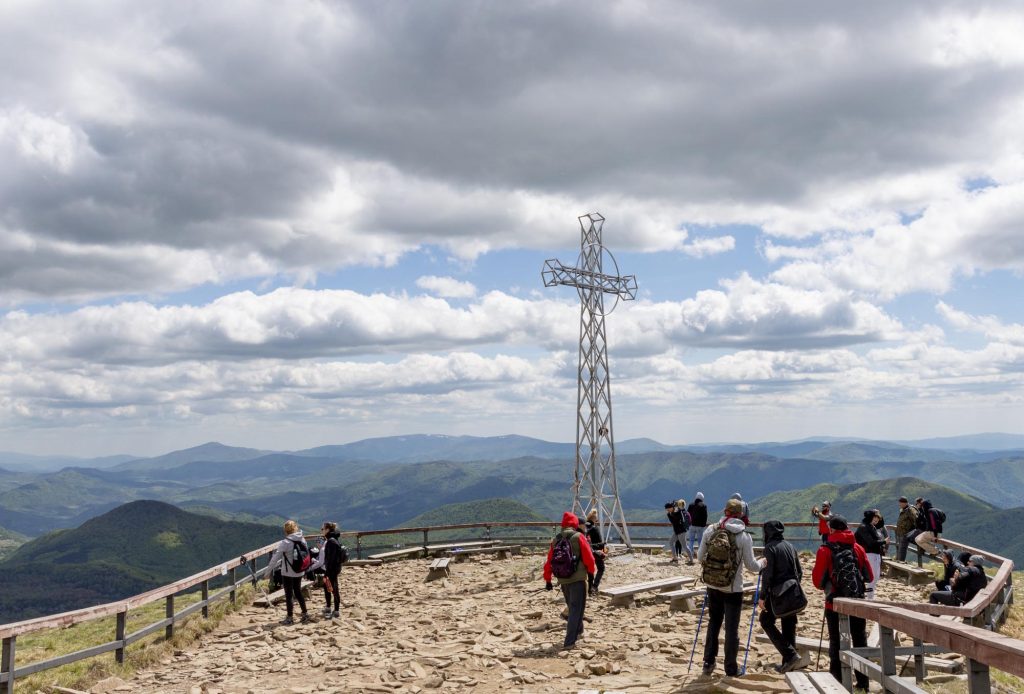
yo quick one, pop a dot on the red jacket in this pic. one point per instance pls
(823, 561)
(586, 555)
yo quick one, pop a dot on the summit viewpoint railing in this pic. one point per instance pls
(983, 648)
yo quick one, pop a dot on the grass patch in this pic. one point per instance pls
(84, 673)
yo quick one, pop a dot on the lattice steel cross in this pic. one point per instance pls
(594, 482)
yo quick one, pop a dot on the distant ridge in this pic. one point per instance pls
(212, 452)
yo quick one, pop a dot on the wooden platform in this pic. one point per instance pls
(911, 574)
(814, 683)
(625, 595)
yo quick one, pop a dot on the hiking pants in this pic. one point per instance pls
(575, 594)
(594, 582)
(876, 570)
(293, 590)
(926, 541)
(723, 608)
(859, 638)
(944, 597)
(693, 536)
(333, 578)
(785, 640)
(679, 545)
(902, 543)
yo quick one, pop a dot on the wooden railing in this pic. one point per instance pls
(982, 647)
(9, 633)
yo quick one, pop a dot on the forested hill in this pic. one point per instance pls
(968, 518)
(128, 550)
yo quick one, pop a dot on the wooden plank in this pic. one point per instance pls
(363, 562)
(659, 584)
(145, 631)
(7, 664)
(33, 668)
(800, 683)
(397, 553)
(825, 683)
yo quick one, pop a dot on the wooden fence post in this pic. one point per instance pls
(845, 643)
(425, 541)
(122, 621)
(7, 664)
(231, 577)
(919, 671)
(169, 613)
(252, 571)
(887, 643)
(977, 677)
(359, 546)
(206, 599)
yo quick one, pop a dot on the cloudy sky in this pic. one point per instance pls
(284, 224)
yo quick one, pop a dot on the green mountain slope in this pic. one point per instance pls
(969, 519)
(10, 541)
(480, 511)
(130, 549)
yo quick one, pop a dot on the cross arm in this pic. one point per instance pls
(556, 273)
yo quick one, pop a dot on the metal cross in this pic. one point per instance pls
(594, 483)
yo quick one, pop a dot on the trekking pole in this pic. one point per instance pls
(750, 632)
(255, 580)
(821, 635)
(697, 635)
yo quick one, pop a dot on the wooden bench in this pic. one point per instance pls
(437, 550)
(363, 562)
(814, 683)
(395, 554)
(908, 573)
(439, 569)
(278, 595)
(500, 551)
(624, 595)
(646, 548)
(685, 600)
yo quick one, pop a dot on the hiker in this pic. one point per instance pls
(905, 525)
(933, 519)
(332, 556)
(883, 532)
(868, 537)
(781, 592)
(746, 509)
(680, 521)
(698, 521)
(292, 547)
(824, 515)
(920, 522)
(724, 549)
(570, 560)
(965, 584)
(600, 551)
(842, 570)
(949, 568)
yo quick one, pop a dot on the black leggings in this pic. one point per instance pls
(333, 578)
(293, 590)
(593, 582)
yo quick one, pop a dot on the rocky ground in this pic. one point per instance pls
(489, 627)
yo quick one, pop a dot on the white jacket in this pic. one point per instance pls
(283, 553)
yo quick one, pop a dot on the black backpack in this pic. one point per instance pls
(563, 561)
(299, 559)
(847, 577)
(336, 557)
(940, 514)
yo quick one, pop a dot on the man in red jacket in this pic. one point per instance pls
(571, 569)
(826, 566)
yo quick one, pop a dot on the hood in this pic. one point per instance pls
(700, 496)
(926, 505)
(569, 520)
(842, 537)
(964, 557)
(948, 553)
(334, 533)
(295, 536)
(734, 525)
(773, 530)
(737, 495)
(869, 516)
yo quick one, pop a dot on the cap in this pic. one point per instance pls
(978, 560)
(838, 523)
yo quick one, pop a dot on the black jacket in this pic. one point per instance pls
(931, 519)
(678, 521)
(970, 579)
(594, 535)
(698, 511)
(332, 553)
(948, 571)
(868, 537)
(782, 563)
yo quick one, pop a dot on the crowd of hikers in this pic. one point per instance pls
(846, 565)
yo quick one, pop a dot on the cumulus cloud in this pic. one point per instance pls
(447, 287)
(362, 134)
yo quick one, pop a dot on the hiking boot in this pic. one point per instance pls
(708, 669)
(326, 612)
(789, 664)
(673, 560)
(287, 621)
(335, 615)
(306, 619)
